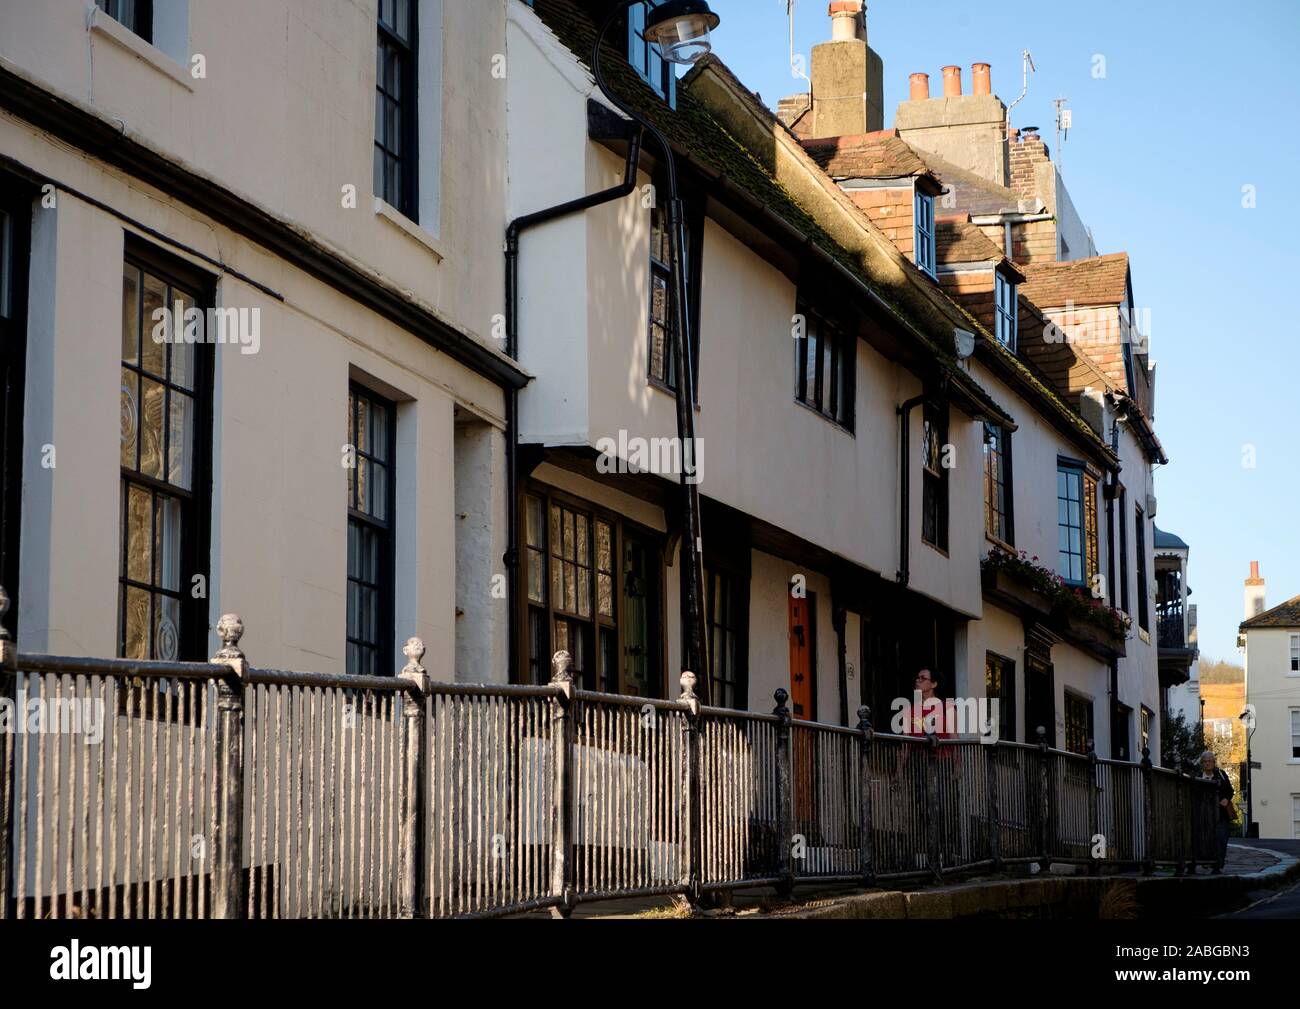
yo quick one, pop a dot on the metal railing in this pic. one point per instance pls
(222, 790)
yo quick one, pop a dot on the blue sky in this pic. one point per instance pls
(1198, 100)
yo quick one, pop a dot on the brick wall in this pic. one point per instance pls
(890, 209)
(1027, 153)
(972, 290)
(1033, 242)
(1097, 332)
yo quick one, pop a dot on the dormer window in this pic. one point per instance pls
(645, 57)
(924, 216)
(1008, 315)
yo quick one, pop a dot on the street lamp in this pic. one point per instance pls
(1248, 723)
(680, 28)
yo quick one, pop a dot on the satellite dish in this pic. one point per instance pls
(964, 342)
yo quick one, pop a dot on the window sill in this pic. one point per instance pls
(1008, 547)
(829, 420)
(937, 549)
(389, 213)
(667, 390)
(114, 31)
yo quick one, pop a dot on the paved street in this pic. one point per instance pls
(1284, 903)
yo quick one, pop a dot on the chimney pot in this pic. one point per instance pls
(1254, 569)
(952, 82)
(919, 87)
(980, 82)
(846, 21)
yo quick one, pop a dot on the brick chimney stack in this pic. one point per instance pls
(1254, 596)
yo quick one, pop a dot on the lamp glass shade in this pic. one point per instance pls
(680, 28)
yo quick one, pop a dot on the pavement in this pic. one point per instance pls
(1255, 872)
(1271, 904)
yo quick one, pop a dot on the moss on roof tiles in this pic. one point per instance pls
(697, 133)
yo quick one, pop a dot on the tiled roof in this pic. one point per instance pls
(959, 241)
(972, 192)
(1285, 615)
(693, 129)
(1098, 280)
(879, 155)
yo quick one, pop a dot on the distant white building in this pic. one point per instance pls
(1270, 639)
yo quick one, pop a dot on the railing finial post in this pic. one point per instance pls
(1148, 821)
(564, 739)
(228, 847)
(1094, 810)
(694, 799)
(411, 856)
(784, 794)
(866, 838)
(1044, 798)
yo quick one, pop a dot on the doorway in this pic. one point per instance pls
(803, 656)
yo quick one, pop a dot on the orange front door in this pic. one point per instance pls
(801, 657)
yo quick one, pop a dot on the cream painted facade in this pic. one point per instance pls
(791, 497)
(282, 123)
(1273, 690)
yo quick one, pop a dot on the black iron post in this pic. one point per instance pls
(866, 842)
(1148, 821)
(228, 843)
(563, 736)
(784, 795)
(694, 657)
(414, 704)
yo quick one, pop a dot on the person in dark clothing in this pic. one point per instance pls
(1211, 771)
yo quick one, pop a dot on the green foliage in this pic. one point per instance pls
(1181, 742)
(1066, 599)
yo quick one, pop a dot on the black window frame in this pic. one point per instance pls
(134, 15)
(1005, 695)
(598, 632)
(733, 581)
(827, 342)
(383, 528)
(402, 96)
(934, 475)
(664, 377)
(999, 523)
(1140, 548)
(196, 503)
(15, 269)
(1078, 737)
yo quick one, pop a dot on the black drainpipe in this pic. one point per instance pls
(602, 124)
(1112, 491)
(905, 483)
